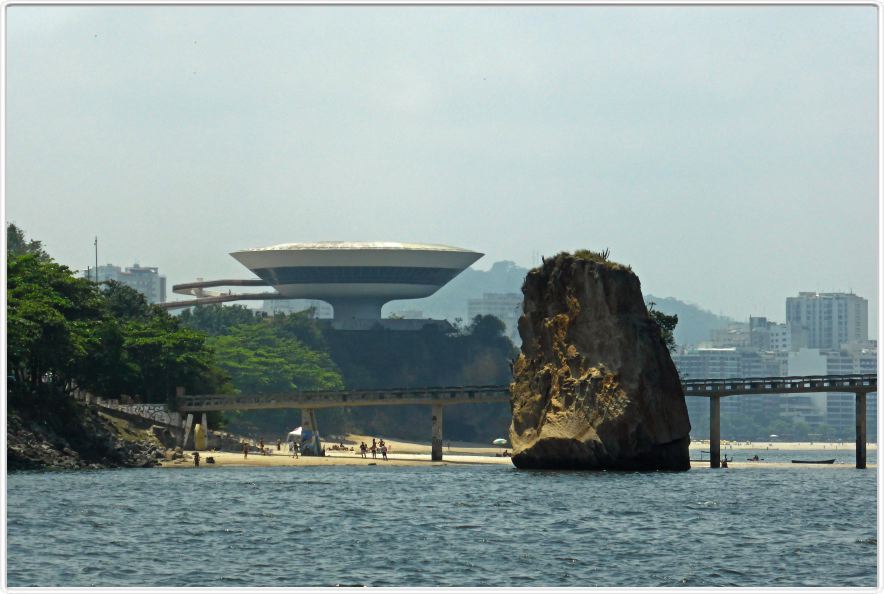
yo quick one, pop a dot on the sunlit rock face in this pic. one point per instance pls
(594, 387)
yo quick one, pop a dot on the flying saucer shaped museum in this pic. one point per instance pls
(356, 278)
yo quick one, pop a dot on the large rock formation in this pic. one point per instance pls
(594, 386)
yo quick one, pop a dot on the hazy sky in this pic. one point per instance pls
(729, 154)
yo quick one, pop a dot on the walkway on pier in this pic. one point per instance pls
(716, 389)
(438, 397)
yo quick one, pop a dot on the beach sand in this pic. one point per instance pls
(703, 444)
(406, 453)
(400, 453)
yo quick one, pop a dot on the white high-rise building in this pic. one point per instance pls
(144, 279)
(829, 319)
(835, 409)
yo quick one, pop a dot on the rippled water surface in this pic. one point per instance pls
(450, 525)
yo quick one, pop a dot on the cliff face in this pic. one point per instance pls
(43, 438)
(594, 386)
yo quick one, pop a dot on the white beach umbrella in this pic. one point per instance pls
(500, 442)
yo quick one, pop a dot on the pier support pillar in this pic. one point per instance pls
(312, 446)
(188, 425)
(860, 429)
(436, 451)
(715, 432)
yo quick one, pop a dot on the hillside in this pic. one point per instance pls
(450, 302)
(694, 322)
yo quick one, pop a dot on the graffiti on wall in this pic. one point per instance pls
(158, 413)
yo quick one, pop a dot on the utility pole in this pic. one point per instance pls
(96, 259)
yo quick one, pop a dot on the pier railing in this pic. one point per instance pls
(437, 397)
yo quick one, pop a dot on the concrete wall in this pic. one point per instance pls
(158, 413)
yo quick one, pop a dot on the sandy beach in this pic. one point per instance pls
(400, 453)
(406, 453)
(703, 444)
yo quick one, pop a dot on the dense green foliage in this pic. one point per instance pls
(666, 323)
(284, 353)
(268, 355)
(262, 359)
(50, 329)
(478, 354)
(17, 244)
(66, 333)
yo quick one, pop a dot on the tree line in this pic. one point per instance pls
(66, 333)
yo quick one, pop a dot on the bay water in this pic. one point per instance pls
(452, 525)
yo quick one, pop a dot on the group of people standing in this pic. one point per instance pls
(375, 447)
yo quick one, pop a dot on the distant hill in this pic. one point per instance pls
(694, 322)
(450, 302)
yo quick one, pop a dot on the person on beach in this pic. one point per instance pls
(383, 449)
(196, 459)
(278, 445)
(374, 448)
(245, 449)
(262, 445)
(363, 449)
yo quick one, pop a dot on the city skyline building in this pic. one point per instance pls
(145, 279)
(829, 319)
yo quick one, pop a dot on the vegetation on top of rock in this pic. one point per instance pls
(666, 323)
(602, 257)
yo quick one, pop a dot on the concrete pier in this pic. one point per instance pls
(715, 431)
(436, 451)
(860, 429)
(188, 425)
(308, 423)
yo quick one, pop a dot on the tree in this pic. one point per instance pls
(665, 323)
(487, 328)
(124, 302)
(265, 358)
(18, 245)
(216, 319)
(51, 328)
(260, 361)
(66, 333)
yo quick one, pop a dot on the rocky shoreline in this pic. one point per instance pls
(89, 441)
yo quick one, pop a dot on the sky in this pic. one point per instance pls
(727, 153)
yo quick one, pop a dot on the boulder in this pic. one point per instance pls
(594, 386)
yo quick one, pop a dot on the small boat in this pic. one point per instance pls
(832, 461)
